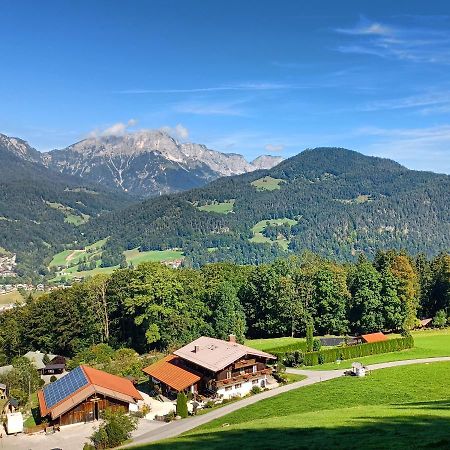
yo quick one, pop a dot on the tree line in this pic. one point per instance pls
(157, 307)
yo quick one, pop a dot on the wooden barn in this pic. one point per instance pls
(83, 394)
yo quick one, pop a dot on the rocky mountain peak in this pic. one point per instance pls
(20, 148)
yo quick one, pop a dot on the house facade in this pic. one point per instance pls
(84, 394)
(212, 367)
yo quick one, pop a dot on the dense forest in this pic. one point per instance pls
(157, 307)
(339, 202)
(39, 210)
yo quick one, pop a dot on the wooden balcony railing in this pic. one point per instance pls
(243, 378)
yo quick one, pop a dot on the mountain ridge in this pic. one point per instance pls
(151, 162)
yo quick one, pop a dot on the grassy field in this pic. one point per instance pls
(259, 238)
(428, 344)
(11, 297)
(71, 259)
(396, 408)
(221, 208)
(72, 216)
(266, 344)
(136, 257)
(267, 184)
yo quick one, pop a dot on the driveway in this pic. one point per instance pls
(176, 428)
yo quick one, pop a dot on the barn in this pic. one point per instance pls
(83, 394)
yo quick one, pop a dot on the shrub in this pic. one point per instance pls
(440, 319)
(116, 429)
(53, 379)
(182, 408)
(309, 337)
(169, 416)
(255, 390)
(317, 345)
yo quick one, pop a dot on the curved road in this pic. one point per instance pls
(175, 428)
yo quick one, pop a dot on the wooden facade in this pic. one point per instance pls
(90, 410)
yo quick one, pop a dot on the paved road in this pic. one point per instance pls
(175, 428)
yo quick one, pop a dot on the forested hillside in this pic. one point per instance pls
(332, 201)
(41, 209)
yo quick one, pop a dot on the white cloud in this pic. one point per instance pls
(178, 131)
(117, 129)
(230, 87)
(423, 44)
(274, 148)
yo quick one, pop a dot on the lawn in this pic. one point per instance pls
(428, 344)
(136, 257)
(267, 184)
(266, 344)
(221, 208)
(396, 408)
(259, 238)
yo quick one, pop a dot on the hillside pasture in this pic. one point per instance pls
(396, 408)
(136, 257)
(218, 207)
(258, 229)
(267, 184)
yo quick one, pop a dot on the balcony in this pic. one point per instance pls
(242, 378)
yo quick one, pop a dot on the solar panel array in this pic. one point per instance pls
(65, 386)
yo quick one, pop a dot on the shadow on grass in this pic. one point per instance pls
(418, 432)
(436, 405)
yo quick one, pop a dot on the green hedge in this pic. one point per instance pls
(282, 349)
(346, 352)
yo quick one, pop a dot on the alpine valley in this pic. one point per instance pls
(82, 204)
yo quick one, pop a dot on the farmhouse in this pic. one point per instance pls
(212, 367)
(83, 394)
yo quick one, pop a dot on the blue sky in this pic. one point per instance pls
(249, 77)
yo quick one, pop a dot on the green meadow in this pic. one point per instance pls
(395, 408)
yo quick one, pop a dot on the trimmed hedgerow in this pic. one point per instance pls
(295, 358)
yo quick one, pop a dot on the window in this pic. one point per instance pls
(228, 374)
(238, 386)
(228, 388)
(255, 368)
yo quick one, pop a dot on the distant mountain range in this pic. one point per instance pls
(332, 201)
(149, 163)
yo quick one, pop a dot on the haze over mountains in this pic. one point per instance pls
(149, 163)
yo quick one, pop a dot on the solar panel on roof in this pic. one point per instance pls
(65, 386)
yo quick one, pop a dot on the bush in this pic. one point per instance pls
(349, 352)
(309, 337)
(255, 390)
(116, 429)
(182, 408)
(53, 379)
(440, 319)
(317, 345)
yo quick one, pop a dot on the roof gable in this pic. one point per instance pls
(216, 354)
(374, 337)
(166, 370)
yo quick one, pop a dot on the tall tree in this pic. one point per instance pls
(366, 304)
(229, 317)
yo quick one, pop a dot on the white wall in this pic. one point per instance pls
(245, 388)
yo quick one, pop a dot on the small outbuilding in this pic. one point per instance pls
(372, 338)
(424, 323)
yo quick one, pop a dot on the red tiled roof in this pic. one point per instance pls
(174, 376)
(98, 381)
(374, 337)
(113, 382)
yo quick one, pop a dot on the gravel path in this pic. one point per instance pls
(175, 428)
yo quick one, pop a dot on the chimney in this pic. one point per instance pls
(196, 348)
(232, 338)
